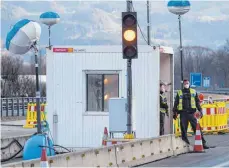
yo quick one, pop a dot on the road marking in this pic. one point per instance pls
(222, 164)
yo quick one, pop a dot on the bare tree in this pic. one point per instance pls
(206, 61)
(11, 67)
(222, 63)
(17, 79)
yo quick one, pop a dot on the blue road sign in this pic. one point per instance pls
(196, 79)
(206, 82)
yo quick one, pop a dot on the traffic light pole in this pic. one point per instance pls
(129, 97)
(129, 86)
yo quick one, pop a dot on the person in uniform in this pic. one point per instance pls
(163, 108)
(186, 104)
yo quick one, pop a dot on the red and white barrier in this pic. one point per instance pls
(209, 112)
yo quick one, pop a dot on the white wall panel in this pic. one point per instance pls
(93, 129)
(66, 89)
(145, 90)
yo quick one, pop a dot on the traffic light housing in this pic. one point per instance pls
(129, 35)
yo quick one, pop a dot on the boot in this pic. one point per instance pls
(186, 141)
(205, 146)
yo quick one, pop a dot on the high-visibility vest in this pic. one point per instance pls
(164, 101)
(193, 101)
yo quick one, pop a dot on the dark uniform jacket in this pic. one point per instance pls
(187, 102)
(162, 104)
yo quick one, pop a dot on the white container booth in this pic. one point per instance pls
(81, 79)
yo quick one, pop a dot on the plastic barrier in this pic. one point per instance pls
(128, 154)
(215, 119)
(227, 108)
(31, 116)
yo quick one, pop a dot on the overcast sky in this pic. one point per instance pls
(99, 22)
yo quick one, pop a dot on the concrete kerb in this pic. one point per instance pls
(136, 152)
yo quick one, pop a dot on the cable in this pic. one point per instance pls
(5, 160)
(63, 148)
(140, 28)
(18, 144)
(43, 146)
(14, 140)
(49, 132)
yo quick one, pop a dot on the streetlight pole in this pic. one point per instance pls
(49, 37)
(181, 52)
(37, 90)
(179, 7)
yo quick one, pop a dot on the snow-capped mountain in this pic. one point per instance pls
(99, 23)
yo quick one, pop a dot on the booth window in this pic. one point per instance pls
(101, 87)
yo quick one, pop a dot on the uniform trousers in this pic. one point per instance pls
(186, 117)
(162, 121)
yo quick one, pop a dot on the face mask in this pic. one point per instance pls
(186, 86)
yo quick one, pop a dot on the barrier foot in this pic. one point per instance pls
(222, 133)
(28, 126)
(129, 136)
(189, 134)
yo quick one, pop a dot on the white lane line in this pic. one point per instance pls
(222, 164)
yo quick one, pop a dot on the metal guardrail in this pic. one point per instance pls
(216, 92)
(224, 91)
(16, 106)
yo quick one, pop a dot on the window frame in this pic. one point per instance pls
(103, 73)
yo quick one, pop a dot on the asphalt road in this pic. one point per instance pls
(14, 129)
(213, 157)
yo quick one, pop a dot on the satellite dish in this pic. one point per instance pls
(49, 19)
(179, 7)
(23, 36)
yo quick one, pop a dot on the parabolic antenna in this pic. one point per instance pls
(22, 36)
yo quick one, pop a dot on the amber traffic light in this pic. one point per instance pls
(129, 35)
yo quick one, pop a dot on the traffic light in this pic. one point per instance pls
(129, 35)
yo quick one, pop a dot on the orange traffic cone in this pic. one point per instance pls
(198, 147)
(105, 137)
(44, 160)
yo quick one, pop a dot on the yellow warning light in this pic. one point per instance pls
(129, 35)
